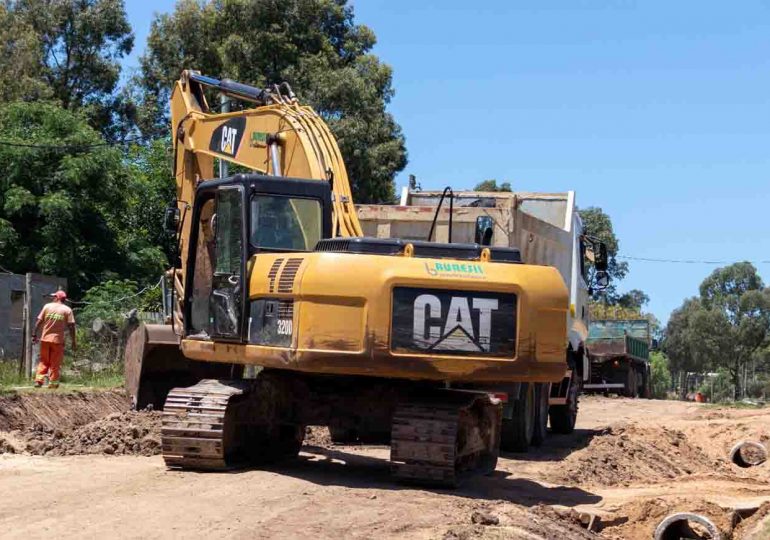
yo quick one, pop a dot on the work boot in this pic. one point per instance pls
(53, 385)
(38, 384)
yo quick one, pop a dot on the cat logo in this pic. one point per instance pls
(457, 333)
(228, 140)
(227, 137)
(454, 322)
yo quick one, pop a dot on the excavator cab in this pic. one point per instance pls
(234, 220)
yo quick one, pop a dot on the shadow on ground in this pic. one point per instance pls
(338, 467)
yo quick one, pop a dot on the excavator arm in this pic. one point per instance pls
(278, 137)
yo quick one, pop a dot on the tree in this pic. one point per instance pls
(68, 51)
(660, 375)
(726, 327)
(597, 224)
(21, 58)
(491, 185)
(633, 299)
(69, 204)
(314, 45)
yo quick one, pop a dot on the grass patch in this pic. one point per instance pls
(71, 380)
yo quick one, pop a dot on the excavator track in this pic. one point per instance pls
(195, 433)
(445, 438)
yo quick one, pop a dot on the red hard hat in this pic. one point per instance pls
(61, 295)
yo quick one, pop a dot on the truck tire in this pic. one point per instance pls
(516, 434)
(647, 385)
(564, 417)
(631, 389)
(542, 393)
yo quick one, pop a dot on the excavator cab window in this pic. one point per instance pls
(281, 223)
(216, 297)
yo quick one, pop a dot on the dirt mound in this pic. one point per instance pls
(135, 433)
(627, 454)
(6, 446)
(318, 436)
(716, 438)
(756, 526)
(538, 523)
(58, 410)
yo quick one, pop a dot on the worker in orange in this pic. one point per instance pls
(54, 319)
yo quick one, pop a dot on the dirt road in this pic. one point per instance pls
(630, 463)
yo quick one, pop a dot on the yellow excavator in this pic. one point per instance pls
(282, 315)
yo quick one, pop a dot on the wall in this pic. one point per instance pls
(13, 296)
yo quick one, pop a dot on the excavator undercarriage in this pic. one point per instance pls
(437, 436)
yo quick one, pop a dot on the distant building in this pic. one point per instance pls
(15, 291)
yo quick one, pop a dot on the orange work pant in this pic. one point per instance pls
(51, 356)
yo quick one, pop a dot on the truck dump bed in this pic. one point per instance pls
(619, 351)
(620, 338)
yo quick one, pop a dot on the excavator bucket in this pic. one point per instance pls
(154, 364)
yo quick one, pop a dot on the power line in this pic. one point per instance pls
(118, 300)
(685, 261)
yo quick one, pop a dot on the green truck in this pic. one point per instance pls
(619, 353)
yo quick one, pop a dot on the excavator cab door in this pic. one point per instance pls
(227, 286)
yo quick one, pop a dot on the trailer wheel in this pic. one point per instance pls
(564, 417)
(540, 432)
(647, 388)
(631, 389)
(517, 433)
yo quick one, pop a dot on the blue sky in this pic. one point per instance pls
(658, 112)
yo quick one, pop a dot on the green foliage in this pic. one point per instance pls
(491, 185)
(70, 51)
(112, 300)
(725, 328)
(314, 45)
(717, 388)
(73, 209)
(660, 375)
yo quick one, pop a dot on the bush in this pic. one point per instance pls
(110, 302)
(660, 375)
(718, 388)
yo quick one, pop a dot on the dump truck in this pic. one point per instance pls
(620, 357)
(284, 314)
(547, 230)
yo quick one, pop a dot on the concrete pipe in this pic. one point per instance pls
(748, 454)
(685, 525)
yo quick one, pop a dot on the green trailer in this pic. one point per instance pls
(619, 353)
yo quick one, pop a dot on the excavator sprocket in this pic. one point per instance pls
(445, 438)
(195, 432)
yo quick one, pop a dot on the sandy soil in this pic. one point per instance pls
(630, 463)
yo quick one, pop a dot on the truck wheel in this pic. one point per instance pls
(631, 389)
(517, 433)
(564, 417)
(540, 432)
(647, 386)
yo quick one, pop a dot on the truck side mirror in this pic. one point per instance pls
(601, 280)
(171, 218)
(484, 229)
(600, 257)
